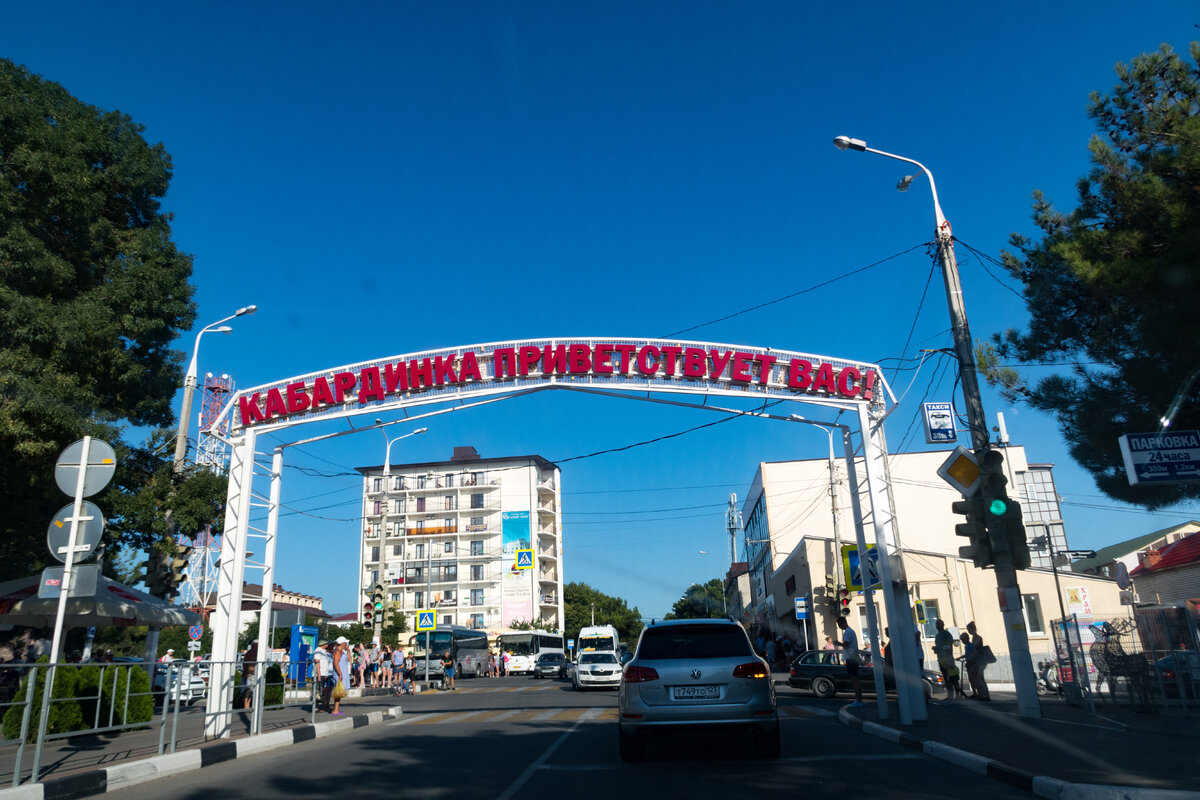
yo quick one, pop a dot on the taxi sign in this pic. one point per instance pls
(524, 559)
(427, 620)
(939, 422)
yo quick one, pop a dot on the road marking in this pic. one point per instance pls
(797, 759)
(524, 777)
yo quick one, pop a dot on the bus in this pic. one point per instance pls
(523, 648)
(598, 639)
(467, 646)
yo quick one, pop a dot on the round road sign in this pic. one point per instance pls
(87, 534)
(102, 463)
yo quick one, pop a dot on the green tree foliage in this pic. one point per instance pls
(700, 601)
(122, 693)
(577, 611)
(1115, 284)
(65, 713)
(92, 293)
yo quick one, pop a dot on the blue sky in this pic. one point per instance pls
(382, 178)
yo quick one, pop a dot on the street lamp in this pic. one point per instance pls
(189, 383)
(387, 471)
(1006, 574)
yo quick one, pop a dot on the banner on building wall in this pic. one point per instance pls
(1078, 601)
(517, 585)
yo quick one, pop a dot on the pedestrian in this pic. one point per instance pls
(323, 674)
(168, 657)
(979, 683)
(398, 668)
(887, 654)
(341, 669)
(249, 661)
(448, 669)
(504, 664)
(829, 643)
(770, 653)
(409, 675)
(943, 651)
(851, 659)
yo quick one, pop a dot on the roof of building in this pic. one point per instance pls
(350, 617)
(1177, 554)
(457, 462)
(1106, 555)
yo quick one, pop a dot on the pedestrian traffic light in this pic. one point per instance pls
(844, 602)
(156, 573)
(975, 529)
(176, 569)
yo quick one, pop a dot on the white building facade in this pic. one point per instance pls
(795, 527)
(445, 535)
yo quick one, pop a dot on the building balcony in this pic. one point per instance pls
(431, 530)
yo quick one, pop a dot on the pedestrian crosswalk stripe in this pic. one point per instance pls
(589, 714)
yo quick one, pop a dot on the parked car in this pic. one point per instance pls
(696, 676)
(186, 685)
(550, 665)
(597, 670)
(823, 672)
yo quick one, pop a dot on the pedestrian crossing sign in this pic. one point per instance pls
(524, 559)
(427, 620)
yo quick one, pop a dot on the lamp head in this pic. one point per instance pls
(845, 142)
(244, 310)
(905, 182)
(223, 329)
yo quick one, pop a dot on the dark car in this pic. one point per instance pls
(824, 673)
(550, 665)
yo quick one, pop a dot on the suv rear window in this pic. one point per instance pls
(694, 641)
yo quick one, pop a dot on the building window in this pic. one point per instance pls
(450, 481)
(420, 551)
(421, 480)
(448, 595)
(477, 572)
(395, 596)
(477, 547)
(397, 483)
(420, 504)
(451, 572)
(400, 506)
(378, 506)
(448, 547)
(397, 550)
(477, 597)
(476, 523)
(929, 626)
(477, 500)
(449, 525)
(1032, 605)
(449, 502)
(477, 621)
(419, 600)
(448, 619)
(374, 576)
(374, 553)
(377, 485)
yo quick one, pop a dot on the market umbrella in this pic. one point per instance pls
(111, 604)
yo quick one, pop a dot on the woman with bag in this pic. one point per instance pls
(341, 668)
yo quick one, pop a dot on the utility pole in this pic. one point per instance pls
(1003, 557)
(593, 614)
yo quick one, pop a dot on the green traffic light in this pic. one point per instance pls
(378, 605)
(997, 507)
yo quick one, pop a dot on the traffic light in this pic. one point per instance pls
(156, 573)
(1002, 515)
(843, 602)
(831, 596)
(176, 569)
(375, 610)
(368, 616)
(975, 529)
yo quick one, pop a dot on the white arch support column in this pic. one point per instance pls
(910, 692)
(226, 618)
(265, 629)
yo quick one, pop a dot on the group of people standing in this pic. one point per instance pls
(777, 650)
(975, 658)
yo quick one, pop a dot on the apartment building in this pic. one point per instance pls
(444, 535)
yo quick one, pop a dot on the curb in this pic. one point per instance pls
(1038, 785)
(123, 776)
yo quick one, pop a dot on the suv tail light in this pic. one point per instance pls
(635, 674)
(755, 669)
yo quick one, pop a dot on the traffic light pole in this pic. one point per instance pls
(1006, 573)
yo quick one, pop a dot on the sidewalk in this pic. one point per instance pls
(63, 757)
(1154, 751)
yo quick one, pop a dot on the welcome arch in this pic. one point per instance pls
(434, 382)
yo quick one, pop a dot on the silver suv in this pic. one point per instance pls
(696, 675)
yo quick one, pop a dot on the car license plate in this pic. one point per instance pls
(705, 692)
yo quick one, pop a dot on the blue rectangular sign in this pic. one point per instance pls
(1167, 457)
